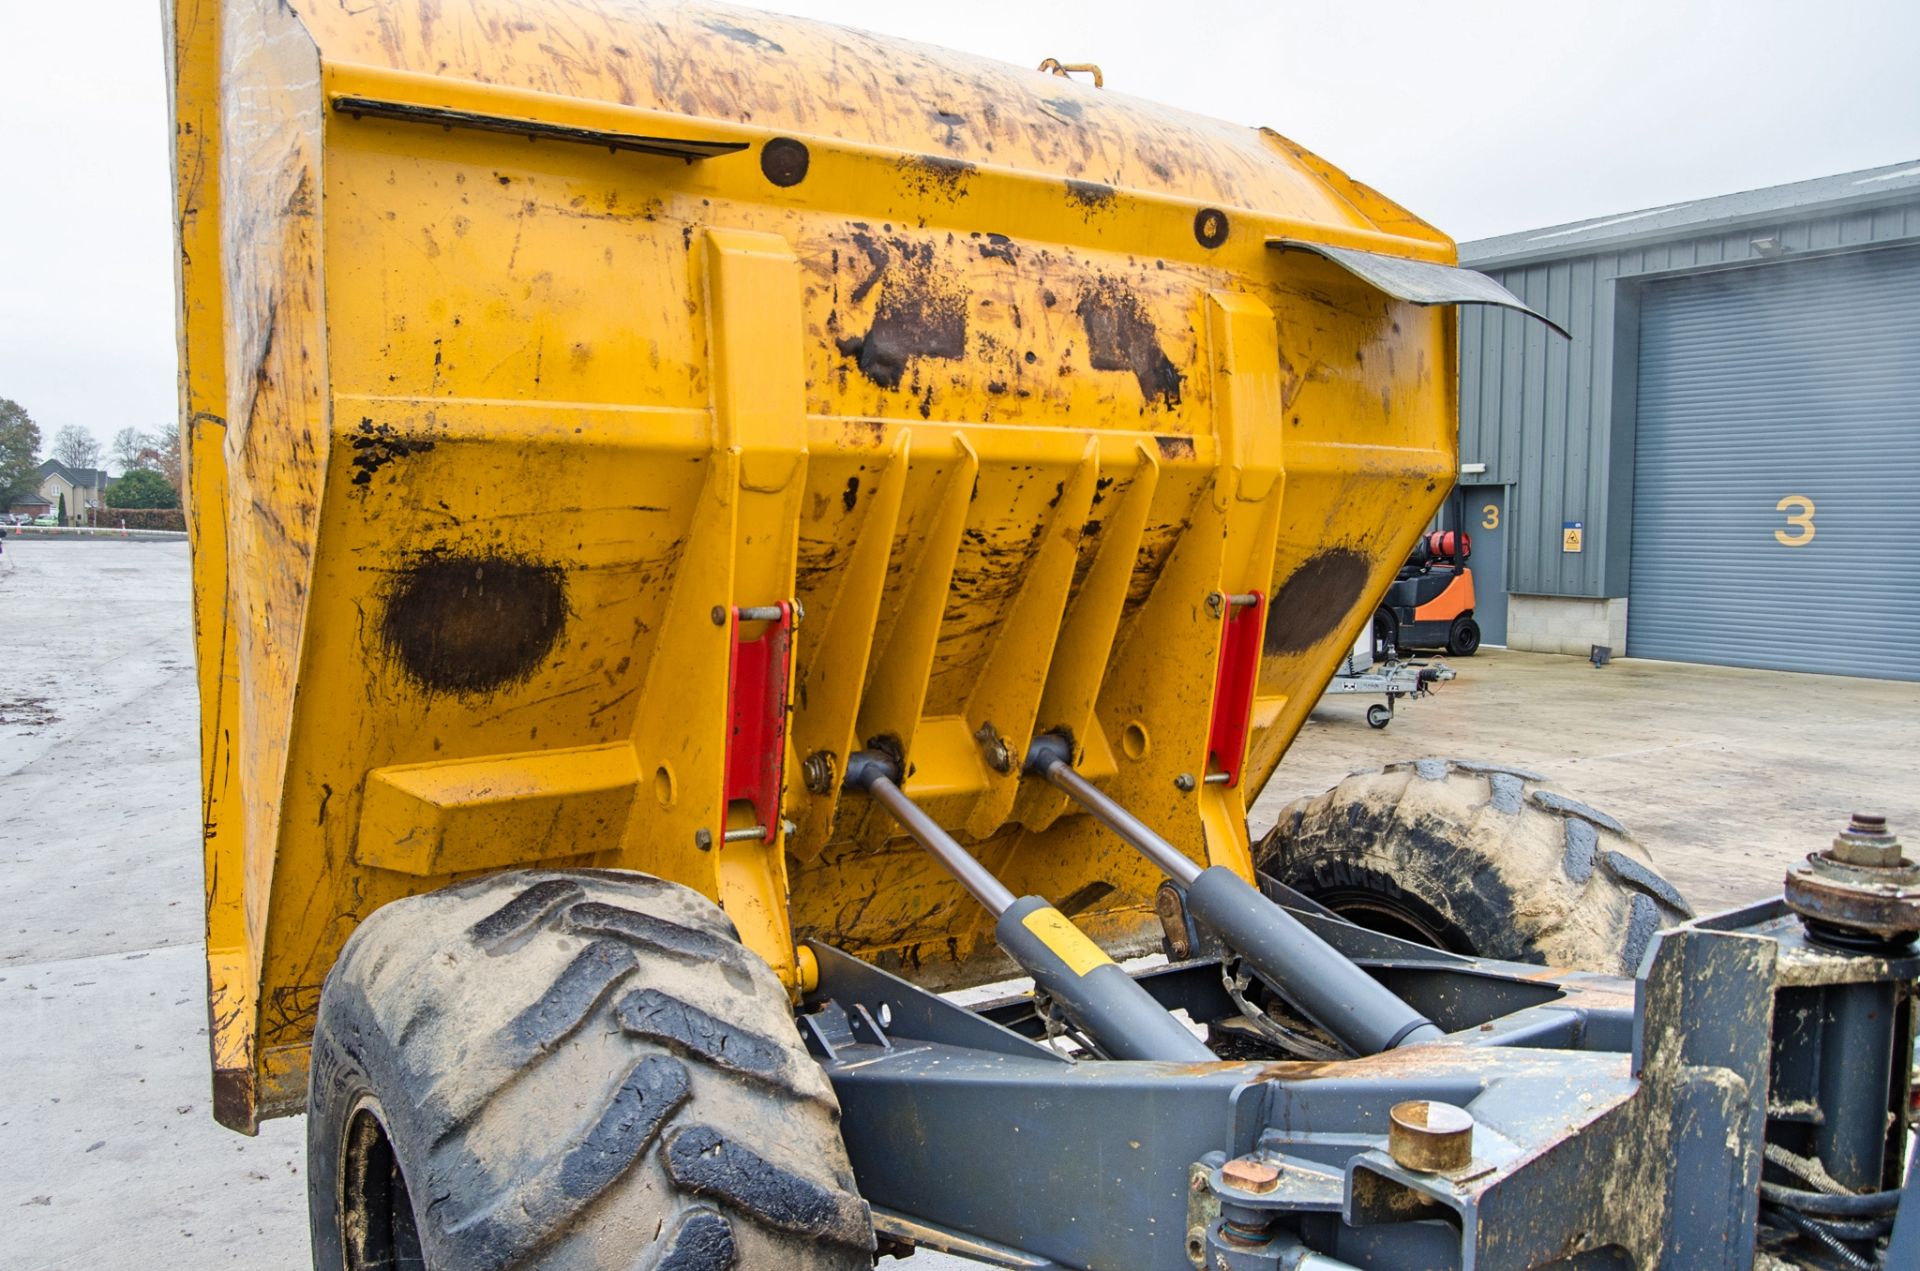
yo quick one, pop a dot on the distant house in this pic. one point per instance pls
(85, 490)
(31, 504)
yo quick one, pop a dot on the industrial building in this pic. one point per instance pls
(1722, 464)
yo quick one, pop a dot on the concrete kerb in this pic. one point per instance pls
(82, 533)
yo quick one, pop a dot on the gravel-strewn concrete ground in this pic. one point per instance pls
(109, 1157)
(1727, 775)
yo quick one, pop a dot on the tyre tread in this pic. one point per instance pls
(656, 1016)
(1506, 866)
(495, 1191)
(704, 1161)
(517, 1223)
(700, 1239)
(650, 932)
(1639, 877)
(568, 1000)
(524, 912)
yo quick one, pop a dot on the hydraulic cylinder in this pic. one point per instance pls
(1317, 979)
(1116, 1014)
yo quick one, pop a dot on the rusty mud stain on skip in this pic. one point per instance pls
(741, 35)
(377, 445)
(1089, 195)
(921, 312)
(1122, 337)
(935, 176)
(471, 624)
(1310, 604)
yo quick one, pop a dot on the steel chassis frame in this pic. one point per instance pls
(1618, 1122)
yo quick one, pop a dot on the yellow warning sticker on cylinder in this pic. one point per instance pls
(1068, 942)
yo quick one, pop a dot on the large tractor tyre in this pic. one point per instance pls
(1477, 859)
(569, 1070)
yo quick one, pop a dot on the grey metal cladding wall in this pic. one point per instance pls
(1542, 413)
(1554, 396)
(1789, 380)
(1534, 408)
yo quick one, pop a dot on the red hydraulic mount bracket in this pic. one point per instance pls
(1243, 617)
(757, 674)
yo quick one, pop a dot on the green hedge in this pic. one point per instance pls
(140, 518)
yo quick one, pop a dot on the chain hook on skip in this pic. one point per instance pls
(1066, 70)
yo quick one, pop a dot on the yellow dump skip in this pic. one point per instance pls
(527, 350)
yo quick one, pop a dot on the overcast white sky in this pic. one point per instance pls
(1483, 117)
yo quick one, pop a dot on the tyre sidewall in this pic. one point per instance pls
(342, 1079)
(1459, 922)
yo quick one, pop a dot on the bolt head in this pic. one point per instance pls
(1246, 1174)
(817, 772)
(993, 748)
(1184, 781)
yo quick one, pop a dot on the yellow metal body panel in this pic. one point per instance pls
(517, 341)
(437, 819)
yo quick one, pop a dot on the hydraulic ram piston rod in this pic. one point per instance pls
(1115, 1013)
(1334, 993)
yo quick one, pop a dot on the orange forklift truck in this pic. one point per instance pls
(1430, 604)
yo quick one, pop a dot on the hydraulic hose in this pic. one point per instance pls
(1821, 1205)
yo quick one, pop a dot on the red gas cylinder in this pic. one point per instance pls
(1450, 545)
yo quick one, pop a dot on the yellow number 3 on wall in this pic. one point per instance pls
(1799, 510)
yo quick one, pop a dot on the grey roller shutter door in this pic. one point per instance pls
(1796, 381)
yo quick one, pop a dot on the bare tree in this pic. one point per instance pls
(166, 449)
(76, 447)
(133, 449)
